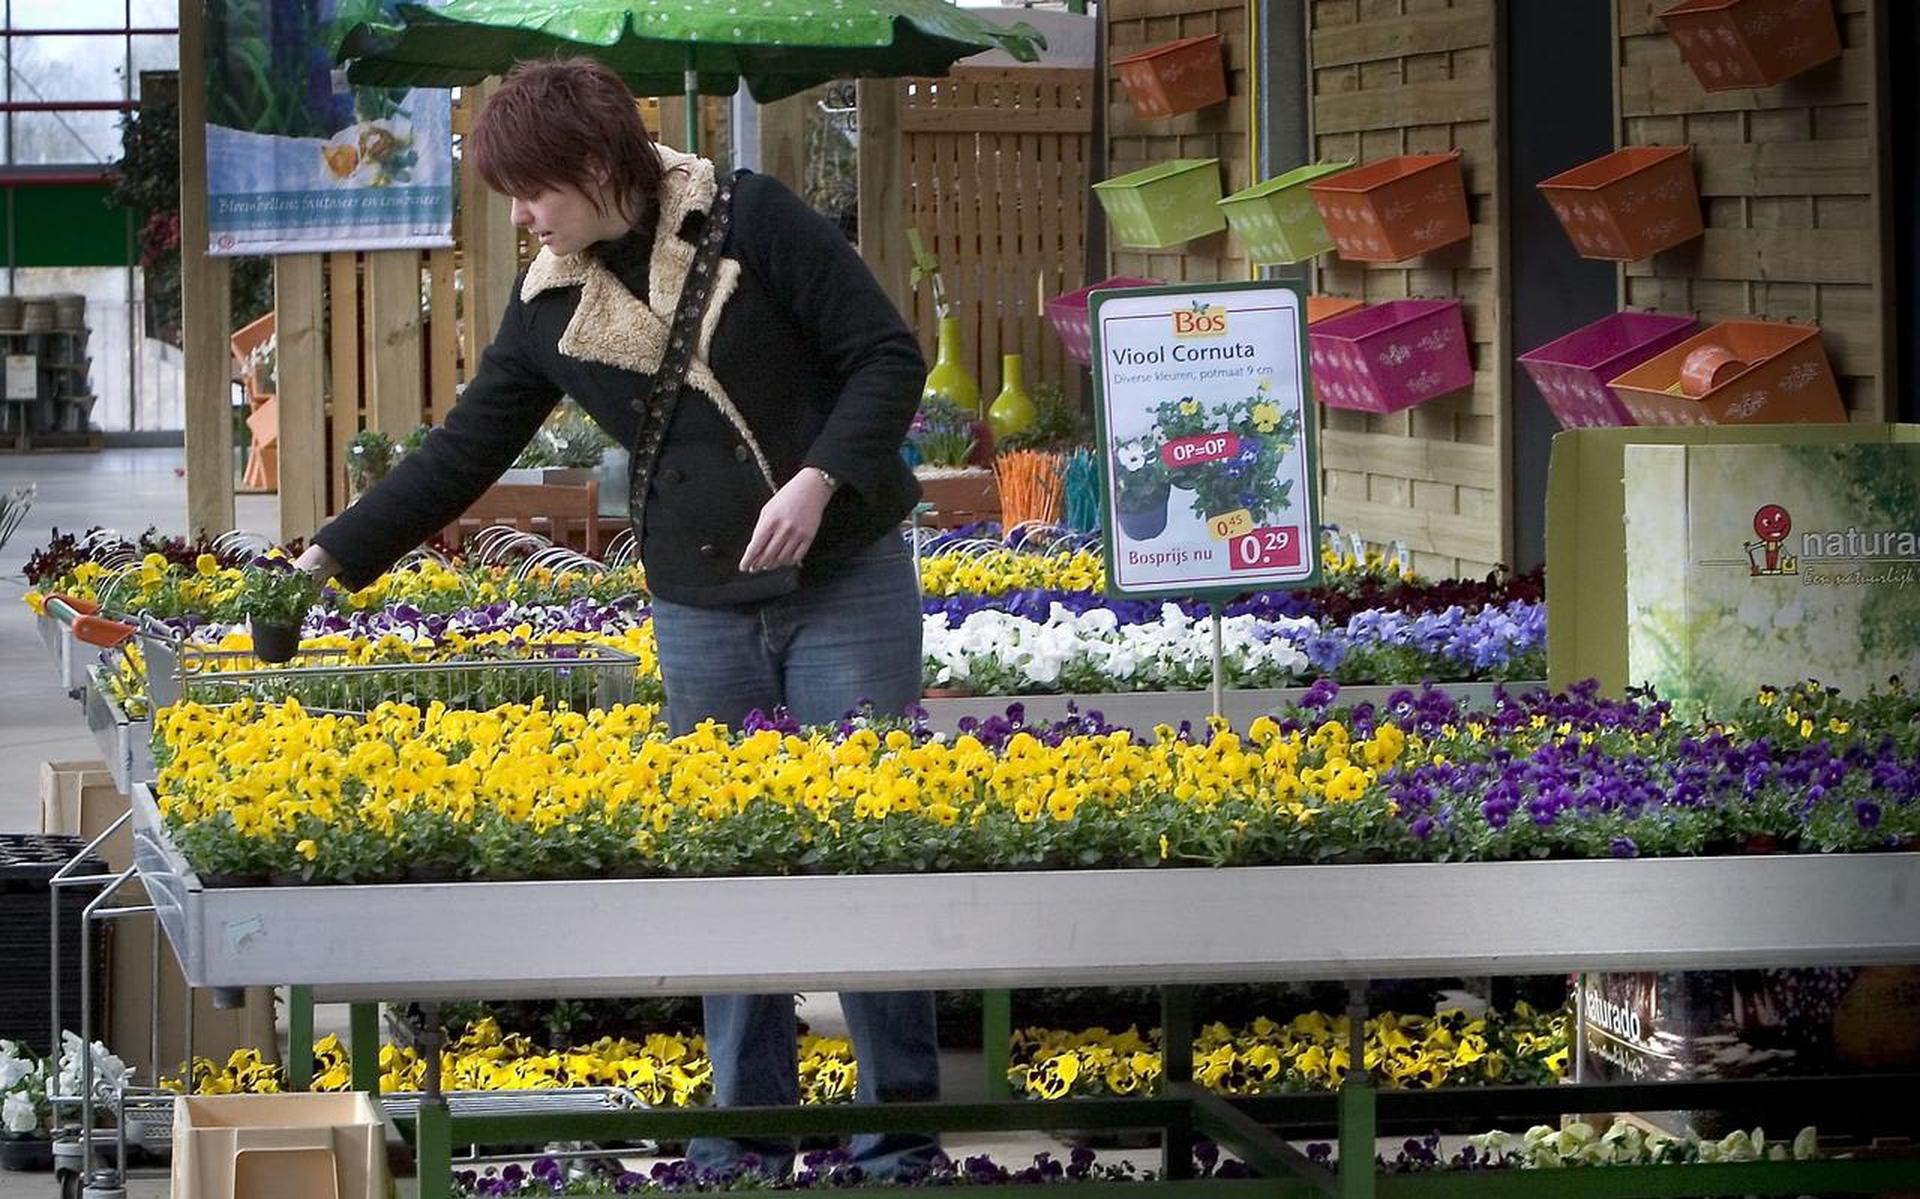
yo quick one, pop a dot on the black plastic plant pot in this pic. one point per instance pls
(275, 643)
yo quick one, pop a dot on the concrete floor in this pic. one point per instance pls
(129, 490)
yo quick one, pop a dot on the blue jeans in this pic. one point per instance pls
(838, 641)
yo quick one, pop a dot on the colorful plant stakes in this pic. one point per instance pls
(1392, 210)
(1165, 204)
(1391, 356)
(1070, 319)
(1628, 205)
(1277, 220)
(1182, 76)
(1572, 372)
(1733, 44)
(1786, 380)
(1322, 308)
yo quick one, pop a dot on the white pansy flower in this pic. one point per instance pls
(17, 1113)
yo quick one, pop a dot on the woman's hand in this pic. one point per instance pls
(317, 562)
(788, 522)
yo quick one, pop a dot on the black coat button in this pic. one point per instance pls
(710, 550)
(674, 474)
(739, 453)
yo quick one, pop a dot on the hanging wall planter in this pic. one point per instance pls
(1572, 371)
(1323, 308)
(1165, 204)
(1630, 204)
(1393, 210)
(1068, 315)
(1390, 356)
(1732, 44)
(1736, 373)
(1182, 76)
(1278, 220)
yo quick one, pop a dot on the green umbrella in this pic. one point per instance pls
(669, 47)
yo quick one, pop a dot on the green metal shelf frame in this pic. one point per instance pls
(1248, 1128)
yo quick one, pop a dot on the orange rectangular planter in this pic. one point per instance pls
(1786, 381)
(1320, 308)
(1732, 44)
(1628, 205)
(1181, 76)
(1395, 209)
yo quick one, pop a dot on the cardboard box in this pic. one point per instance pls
(279, 1147)
(1589, 622)
(79, 799)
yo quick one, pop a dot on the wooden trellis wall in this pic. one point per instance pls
(992, 169)
(1793, 191)
(1415, 77)
(1221, 131)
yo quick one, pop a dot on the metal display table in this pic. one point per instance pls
(433, 942)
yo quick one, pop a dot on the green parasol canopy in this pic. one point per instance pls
(675, 47)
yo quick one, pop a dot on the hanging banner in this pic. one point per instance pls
(298, 159)
(1207, 449)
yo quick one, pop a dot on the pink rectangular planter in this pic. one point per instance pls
(1390, 356)
(1572, 372)
(1068, 314)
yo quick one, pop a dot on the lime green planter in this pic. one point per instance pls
(1278, 220)
(1164, 204)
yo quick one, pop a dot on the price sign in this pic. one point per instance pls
(1231, 524)
(1265, 549)
(1208, 470)
(1200, 449)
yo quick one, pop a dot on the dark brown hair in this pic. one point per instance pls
(561, 122)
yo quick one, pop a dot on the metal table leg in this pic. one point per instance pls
(1358, 1117)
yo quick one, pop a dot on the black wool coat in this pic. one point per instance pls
(803, 361)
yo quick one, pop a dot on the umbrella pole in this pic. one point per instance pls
(692, 86)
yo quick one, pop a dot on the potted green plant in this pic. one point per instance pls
(568, 449)
(276, 595)
(945, 442)
(24, 1141)
(370, 455)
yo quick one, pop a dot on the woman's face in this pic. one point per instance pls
(565, 220)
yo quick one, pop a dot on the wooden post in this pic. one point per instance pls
(883, 218)
(442, 339)
(395, 400)
(205, 305)
(343, 407)
(301, 391)
(783, 138)
(489, 249)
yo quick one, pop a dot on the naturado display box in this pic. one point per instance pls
(1711, 561)
(288, 1146)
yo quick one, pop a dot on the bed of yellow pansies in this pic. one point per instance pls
(1309, 1052)
(661, 1069)
(999, 570)
(263, 793)
(206, 589)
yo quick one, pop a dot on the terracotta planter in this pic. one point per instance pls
(1390, 356)
(1788, 380)
(1071, 320)
(960, 499)
(1398, 208)
(1628, 205)
(1177, 77)
(1572, 372)
(1733, 44)
(1321, 308)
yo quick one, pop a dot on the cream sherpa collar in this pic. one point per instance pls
(614, 327)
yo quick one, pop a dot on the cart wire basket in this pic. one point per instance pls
(340, 682)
